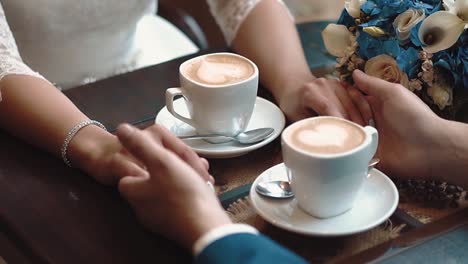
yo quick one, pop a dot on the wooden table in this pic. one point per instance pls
(50, 213)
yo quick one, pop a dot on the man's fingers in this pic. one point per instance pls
(349, 106)
(376, 106)
(122, 166)
(361, 103)
(141, 145)
(205, 163)
(370, 85)
(176, 145)
(133, 188)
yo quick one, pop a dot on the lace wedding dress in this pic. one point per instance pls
(75, 42)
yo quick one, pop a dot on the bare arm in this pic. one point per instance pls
(269, 37)
(34, 110)
(454, 166)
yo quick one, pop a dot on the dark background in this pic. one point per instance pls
(200, 11)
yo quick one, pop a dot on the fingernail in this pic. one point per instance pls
(210, 185)
(371, 122)
(124, 130)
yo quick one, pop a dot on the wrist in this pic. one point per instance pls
(290, 85)
(208, 217)
(454, 155)
(90, 146)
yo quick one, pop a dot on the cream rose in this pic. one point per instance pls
(404, 22)
(353, 7)
(386, 68)
(337, 39)
(441, 95)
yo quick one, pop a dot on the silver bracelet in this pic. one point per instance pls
(72, 133)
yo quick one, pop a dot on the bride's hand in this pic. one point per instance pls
(100, 154)
(321, 97)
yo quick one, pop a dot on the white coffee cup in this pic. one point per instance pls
(327, 161)
(220, 90)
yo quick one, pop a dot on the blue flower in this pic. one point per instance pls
(392, 8)
(463, 64)
(414, 37)
(385, 8)
(408, 62)
(345, 19)
(446, 59)
(370, 8)
(429, 6)
(370, 47)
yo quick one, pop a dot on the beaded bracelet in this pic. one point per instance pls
(72, 133)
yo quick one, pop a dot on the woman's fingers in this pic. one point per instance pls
(362, 104)
(350, 106)
(181, 149)
(142, 146)
(122, 165)
(162, 136)
(321, 104)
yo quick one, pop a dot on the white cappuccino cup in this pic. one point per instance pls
(327, 161)
(220, 90)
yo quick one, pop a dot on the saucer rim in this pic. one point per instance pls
(240, 151)
(303, 231)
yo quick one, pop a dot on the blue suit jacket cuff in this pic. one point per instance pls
(246, 248)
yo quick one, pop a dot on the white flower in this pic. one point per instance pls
(443, 28)
(336, 39)
(404, 22)
(449, 5)
(441, 95)
(353, 7)
(386, 68)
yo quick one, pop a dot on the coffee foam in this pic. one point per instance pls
(326, 136)
(219, 70)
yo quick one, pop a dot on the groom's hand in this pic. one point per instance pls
(411, 136)
(172, 199)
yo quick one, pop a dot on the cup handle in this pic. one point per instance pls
(170, 94)
(372, 132)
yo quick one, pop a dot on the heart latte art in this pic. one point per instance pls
(326, 136)
(219, 70)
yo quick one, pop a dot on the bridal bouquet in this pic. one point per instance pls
(421, 44)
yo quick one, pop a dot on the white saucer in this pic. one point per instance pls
(375, 203)
(265, 114)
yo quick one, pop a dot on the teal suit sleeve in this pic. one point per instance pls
(246, 248)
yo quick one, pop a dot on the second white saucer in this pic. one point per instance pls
(375, 203)
(265, 114)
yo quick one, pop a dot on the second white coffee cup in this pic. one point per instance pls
(327, 160)
(220, 90)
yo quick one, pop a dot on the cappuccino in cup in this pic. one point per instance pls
(220, 91)
(326, 136)
(327, 161)
(218, 69)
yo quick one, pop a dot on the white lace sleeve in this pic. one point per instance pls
(10, 59)
(230, 14)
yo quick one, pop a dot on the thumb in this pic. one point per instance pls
(371, 85)
(141, 145)
(376, 106)
(133, 188)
